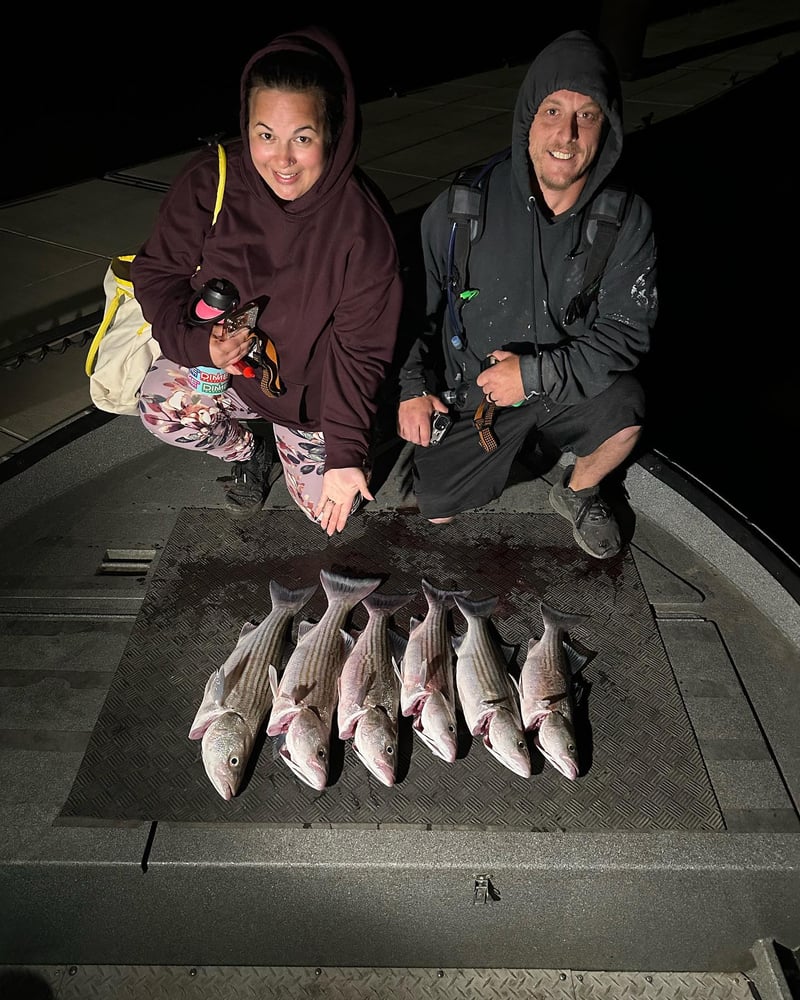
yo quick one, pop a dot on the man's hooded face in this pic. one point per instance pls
(563, 141)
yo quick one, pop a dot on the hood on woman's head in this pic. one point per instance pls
(310, 59)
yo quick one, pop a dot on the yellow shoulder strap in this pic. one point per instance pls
(223, 166)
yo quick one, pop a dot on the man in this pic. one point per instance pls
(571, 383)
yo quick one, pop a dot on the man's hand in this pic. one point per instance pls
(502, 380)
(414, 418)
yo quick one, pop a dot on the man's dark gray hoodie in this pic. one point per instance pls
(528, 265)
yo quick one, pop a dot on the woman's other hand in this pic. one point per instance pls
(340, 487)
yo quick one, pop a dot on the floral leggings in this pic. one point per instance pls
(179, 415)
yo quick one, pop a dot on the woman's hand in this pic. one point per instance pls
(340, 487)
(226, 349)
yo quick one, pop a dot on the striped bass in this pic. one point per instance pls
(546, 690)
(238, 694)
(486, 690)
(305, 698)
(369, 690)
(427, 691)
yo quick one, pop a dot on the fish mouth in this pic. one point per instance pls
(314, 777)
(378, 767)
(518, 766)
(564, 765)
(567, 767)
(446, 753)
(224, 787)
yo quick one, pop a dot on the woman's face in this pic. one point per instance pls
(287, 140)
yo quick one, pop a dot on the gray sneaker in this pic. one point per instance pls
(594, 527)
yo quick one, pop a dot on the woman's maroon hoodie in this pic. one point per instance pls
(326, 265)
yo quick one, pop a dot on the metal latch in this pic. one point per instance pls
(484, 891)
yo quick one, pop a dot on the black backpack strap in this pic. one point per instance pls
(466, 212)
(605, 219)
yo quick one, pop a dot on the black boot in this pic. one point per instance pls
(250, 483)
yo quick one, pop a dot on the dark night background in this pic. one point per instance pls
(85, 99)
(723, 371)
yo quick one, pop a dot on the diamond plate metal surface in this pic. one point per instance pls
(641, 765)
(141, 982)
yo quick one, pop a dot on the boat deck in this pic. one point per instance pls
(670, 868)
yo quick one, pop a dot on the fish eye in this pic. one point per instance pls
(451, 729)
(233, 761)
(389, 749)
(571, 747)
(322, 753)
(521, 744)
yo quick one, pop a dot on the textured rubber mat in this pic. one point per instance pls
(641, 768)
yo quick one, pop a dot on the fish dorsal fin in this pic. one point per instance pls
(273, 680)
(304, 628)
(247, 628)
(348, 641)
(397, 644)
(423, 671)
(576, 659)
(215, 687)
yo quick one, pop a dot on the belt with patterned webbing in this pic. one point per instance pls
(484, 416)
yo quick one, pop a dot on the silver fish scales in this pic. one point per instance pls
(369, 689)
(486, 690)
(305, 698)
(238, 694)
(427, 692)
(546, 690)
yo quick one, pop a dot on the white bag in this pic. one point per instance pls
(123, 349)
(128, 350)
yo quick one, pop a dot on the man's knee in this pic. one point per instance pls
(628, 436)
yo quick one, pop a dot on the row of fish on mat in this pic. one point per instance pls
(366, 678)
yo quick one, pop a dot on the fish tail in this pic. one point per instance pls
(386, 604)
(293, 600)
(476, 609)
(434, 595)
(354, 588)
(561, 619)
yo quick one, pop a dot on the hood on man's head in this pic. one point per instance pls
(574, 61)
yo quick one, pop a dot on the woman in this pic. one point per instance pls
(302, 235)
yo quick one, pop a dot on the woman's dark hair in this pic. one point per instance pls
(299, 72)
